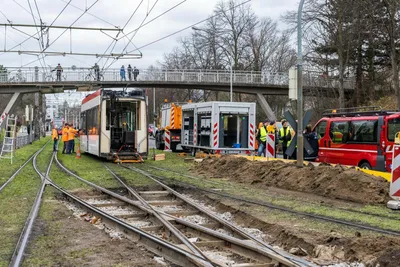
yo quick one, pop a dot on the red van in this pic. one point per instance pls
(358, 138)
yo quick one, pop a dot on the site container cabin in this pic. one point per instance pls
(171, 120)
(363, 139)
(219, 127)
(114, 123)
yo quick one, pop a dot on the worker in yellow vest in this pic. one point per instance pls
(54, 137)
(285, 137)
(262, 138)
(71, 139)
(65, 137)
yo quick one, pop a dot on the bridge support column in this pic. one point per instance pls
(265, 106)
(9, 106)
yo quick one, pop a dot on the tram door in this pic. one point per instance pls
(123, 119)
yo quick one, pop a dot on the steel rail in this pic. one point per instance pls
(19, 170)
(22, 243)
(276, 207)
(274, 254)
(247, 199)
(153, 243)
(245, 244)
(165, 222)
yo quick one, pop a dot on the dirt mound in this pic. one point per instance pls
(336, 182)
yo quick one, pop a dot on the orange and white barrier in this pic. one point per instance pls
(395, 179)
(270, 149)
(167, 146)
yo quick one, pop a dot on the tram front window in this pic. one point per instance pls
(121, 118)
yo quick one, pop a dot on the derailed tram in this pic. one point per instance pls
(113, 125)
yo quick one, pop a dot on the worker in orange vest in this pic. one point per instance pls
(65, 137)
(71, 139)
(54, 137)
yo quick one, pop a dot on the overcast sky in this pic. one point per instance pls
(114, 13)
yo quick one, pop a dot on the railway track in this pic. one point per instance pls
(18, 254)
(9, 180)
(210, 241)
(276, 207)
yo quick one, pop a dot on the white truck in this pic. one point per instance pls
(219, 127)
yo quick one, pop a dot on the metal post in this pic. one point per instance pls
(231, 84)
(154, 107)
(300, 127)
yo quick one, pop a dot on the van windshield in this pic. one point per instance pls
(393, 128)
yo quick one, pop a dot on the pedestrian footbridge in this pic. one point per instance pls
(28, 80)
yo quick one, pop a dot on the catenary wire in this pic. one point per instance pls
(115, 41)
(130, 40)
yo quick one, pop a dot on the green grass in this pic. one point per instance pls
(21, 155)
(88, 167)
(15, 204)
(43, 249)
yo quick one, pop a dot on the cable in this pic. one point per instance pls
(90, 14)
(116, 37)
(59, 14)
(22, 7)
(217, 14)
(70, 25)
(130, 40)
(40, 36)
(165, 12)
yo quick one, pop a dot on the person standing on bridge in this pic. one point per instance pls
(96, 69)
(54, 136)
(129, 72)
(135, 73)
(122, 73)
(58, 70)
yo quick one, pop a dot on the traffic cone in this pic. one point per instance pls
(78, 152)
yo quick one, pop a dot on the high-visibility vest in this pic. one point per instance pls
(337, 137)
(54, 134)
(263, 134)
(65, 134)
(71, 134)
(283, 134)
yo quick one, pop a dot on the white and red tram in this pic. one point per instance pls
(114, 124)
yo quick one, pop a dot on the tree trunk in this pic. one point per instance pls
(341, 59)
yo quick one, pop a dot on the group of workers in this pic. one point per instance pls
(68, 138)
(284, 136)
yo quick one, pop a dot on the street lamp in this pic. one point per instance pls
(300, 138)
(231, 93)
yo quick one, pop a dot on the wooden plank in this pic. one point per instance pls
(163, 192)
(210, 243)
(182, 213)
(152, 228)
(131, 215)
(253, 265)
(110, 204)
(165, 203)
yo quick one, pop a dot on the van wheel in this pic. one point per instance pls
(366, 165)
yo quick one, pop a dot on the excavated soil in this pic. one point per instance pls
(337, 182)
(322, 249)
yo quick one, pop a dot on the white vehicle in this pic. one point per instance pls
(114, 124)
(219, 127)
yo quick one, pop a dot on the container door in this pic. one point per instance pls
(244, 135)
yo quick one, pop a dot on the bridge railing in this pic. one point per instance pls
(29, 75)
